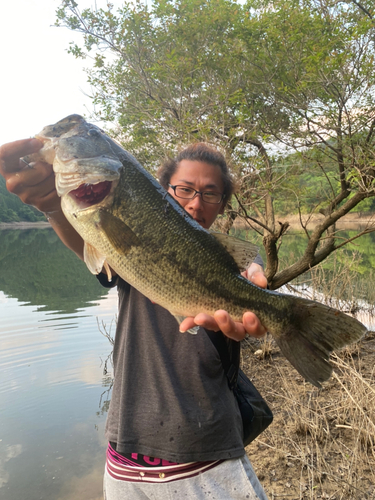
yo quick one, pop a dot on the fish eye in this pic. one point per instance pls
(93, 132)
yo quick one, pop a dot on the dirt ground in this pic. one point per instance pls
(321, 444)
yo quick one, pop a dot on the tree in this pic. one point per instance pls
(13, 210)
(285, 88)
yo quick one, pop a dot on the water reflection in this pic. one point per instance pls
(52, 416)
(53, 399)
(51, 385)
(37, 269)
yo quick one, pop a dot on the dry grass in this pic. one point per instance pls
(321, 444)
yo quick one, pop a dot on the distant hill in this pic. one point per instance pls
(13, 210)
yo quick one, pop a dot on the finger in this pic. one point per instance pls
(230, 328)
(29, 177)
(206, 321)
(186, 324)
(259, 279)
(42, 196)
(11, 153)
(36, 187)
(255, 274)
(252, 325)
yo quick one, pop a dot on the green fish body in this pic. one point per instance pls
(130, 223)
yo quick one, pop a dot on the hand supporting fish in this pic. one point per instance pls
(222, 321)
(120, 212)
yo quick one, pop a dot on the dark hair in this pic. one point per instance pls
(199, 151)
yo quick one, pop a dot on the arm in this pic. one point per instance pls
(221, 320)
(35, 185)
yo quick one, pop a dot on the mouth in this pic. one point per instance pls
(91, 194)
(200, 221)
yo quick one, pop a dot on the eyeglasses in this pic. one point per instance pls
(188, 193)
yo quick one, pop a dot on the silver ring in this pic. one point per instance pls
(26, 163)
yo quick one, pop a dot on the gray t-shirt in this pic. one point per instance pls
(170, 397)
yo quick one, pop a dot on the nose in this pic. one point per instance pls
(196, 202)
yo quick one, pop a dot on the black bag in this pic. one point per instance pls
(256, 414)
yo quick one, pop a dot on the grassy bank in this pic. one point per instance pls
(322, 442)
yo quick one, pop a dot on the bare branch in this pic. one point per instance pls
(360, 6)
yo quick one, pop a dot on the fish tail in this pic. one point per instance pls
(313, 332)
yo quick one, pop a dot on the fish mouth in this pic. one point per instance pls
(87, 195)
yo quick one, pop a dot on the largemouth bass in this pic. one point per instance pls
(131, 224)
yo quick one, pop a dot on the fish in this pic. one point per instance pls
(132, 225)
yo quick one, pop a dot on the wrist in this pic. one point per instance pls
(54, 215)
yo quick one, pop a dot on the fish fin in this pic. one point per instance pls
(180, 319)
(307, 359)
(314, 332)
(121, 236)
(108, 271)
(93, 259)
(243, 252)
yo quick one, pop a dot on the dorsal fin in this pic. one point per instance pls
(242, 251)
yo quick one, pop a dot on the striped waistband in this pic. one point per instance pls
(122, 472)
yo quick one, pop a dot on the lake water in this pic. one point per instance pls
(53, 393)
(52, 354)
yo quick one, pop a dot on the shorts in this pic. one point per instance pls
(231, 480)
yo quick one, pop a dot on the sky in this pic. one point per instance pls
(40, 83)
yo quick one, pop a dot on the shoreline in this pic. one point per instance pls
(25, 225)
(355, 219)
(349, 221)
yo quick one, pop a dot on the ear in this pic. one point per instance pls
(221, 211)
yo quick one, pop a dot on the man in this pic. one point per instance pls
(173, 426)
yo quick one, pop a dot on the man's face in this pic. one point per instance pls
(201, 177)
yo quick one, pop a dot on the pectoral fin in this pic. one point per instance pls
(242, 251)
(121, 236)
(93, 259)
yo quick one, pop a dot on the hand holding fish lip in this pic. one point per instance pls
(11, 154)
(34, 186)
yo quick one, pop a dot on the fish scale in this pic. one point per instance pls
(142, 233)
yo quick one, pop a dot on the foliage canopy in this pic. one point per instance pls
(285, 88)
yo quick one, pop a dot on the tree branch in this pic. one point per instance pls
(360, 6)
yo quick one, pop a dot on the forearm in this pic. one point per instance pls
(66, 232)
(68, 235)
